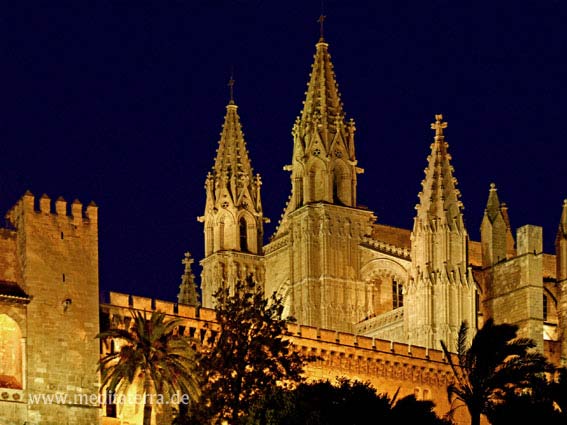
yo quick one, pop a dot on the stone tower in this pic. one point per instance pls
(512, 278)
(441, 290)
(561, 263)
(57, 252)
(233, 217)
(313, 258)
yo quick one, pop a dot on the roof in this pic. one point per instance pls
(11, 290)
(396, 236)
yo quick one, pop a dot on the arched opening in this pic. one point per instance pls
(243, 227)
(317, 182)
(341, 184)
(397, 294)
(220, 231)
(10, 353)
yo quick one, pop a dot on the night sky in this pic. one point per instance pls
(122, 102)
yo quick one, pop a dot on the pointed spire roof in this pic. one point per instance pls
(232, 156)
(188, 290)
(493, 204)
(323, 100)
(439, 198)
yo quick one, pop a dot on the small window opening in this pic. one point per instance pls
(243, 235)
(397, 294)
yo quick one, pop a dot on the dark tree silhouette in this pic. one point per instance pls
(346, 402)
(496, 364)
(546, 404)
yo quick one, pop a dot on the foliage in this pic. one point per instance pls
(346, 402)
(152, 357)
(545, 404)
(250, 356)
(559, 391)
(494, 367)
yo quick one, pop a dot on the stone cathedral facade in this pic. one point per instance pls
(338, 269)
(371, 301)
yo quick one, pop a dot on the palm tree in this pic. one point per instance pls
(496, 363)
(152, 357)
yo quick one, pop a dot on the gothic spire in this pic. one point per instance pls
(440, 198)
(441, 290)
(232, 161)
(495, 230)
(233, 209)
(188, 290)
(322, 104)
(324, 166)
(493, 207)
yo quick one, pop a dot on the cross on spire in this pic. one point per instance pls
(321, 21)
(187, 261)
(438, 125)
(231, 88)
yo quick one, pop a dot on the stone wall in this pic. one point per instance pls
(57, 252)
(388, 366)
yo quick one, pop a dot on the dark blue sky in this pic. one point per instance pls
(122, 102)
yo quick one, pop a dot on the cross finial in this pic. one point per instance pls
(187, 261)
(438, 125)
(231, 88)
(321, 21)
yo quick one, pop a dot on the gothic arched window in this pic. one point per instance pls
(397, 294)
(10, 353)
(243, 235)
(341, 184)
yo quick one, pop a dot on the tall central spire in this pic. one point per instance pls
(322, 104)
(324, 166)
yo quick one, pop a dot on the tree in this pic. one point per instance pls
(496, 364)
(546, 404)
(345, 402)
(559, 391)
(251, 354)
(152, 357)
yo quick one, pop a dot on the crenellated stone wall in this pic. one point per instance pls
(389, 366)
(52, 254)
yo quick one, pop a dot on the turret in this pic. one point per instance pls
(495, 232)
(233, 216)
(441, 292)
(58, 253)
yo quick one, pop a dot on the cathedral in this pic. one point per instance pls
(337, 268)
(372, 301)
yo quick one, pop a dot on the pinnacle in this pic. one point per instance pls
(440, 196)
(493, 205)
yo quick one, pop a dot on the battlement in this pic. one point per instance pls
(30, 204)
(303, 336)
